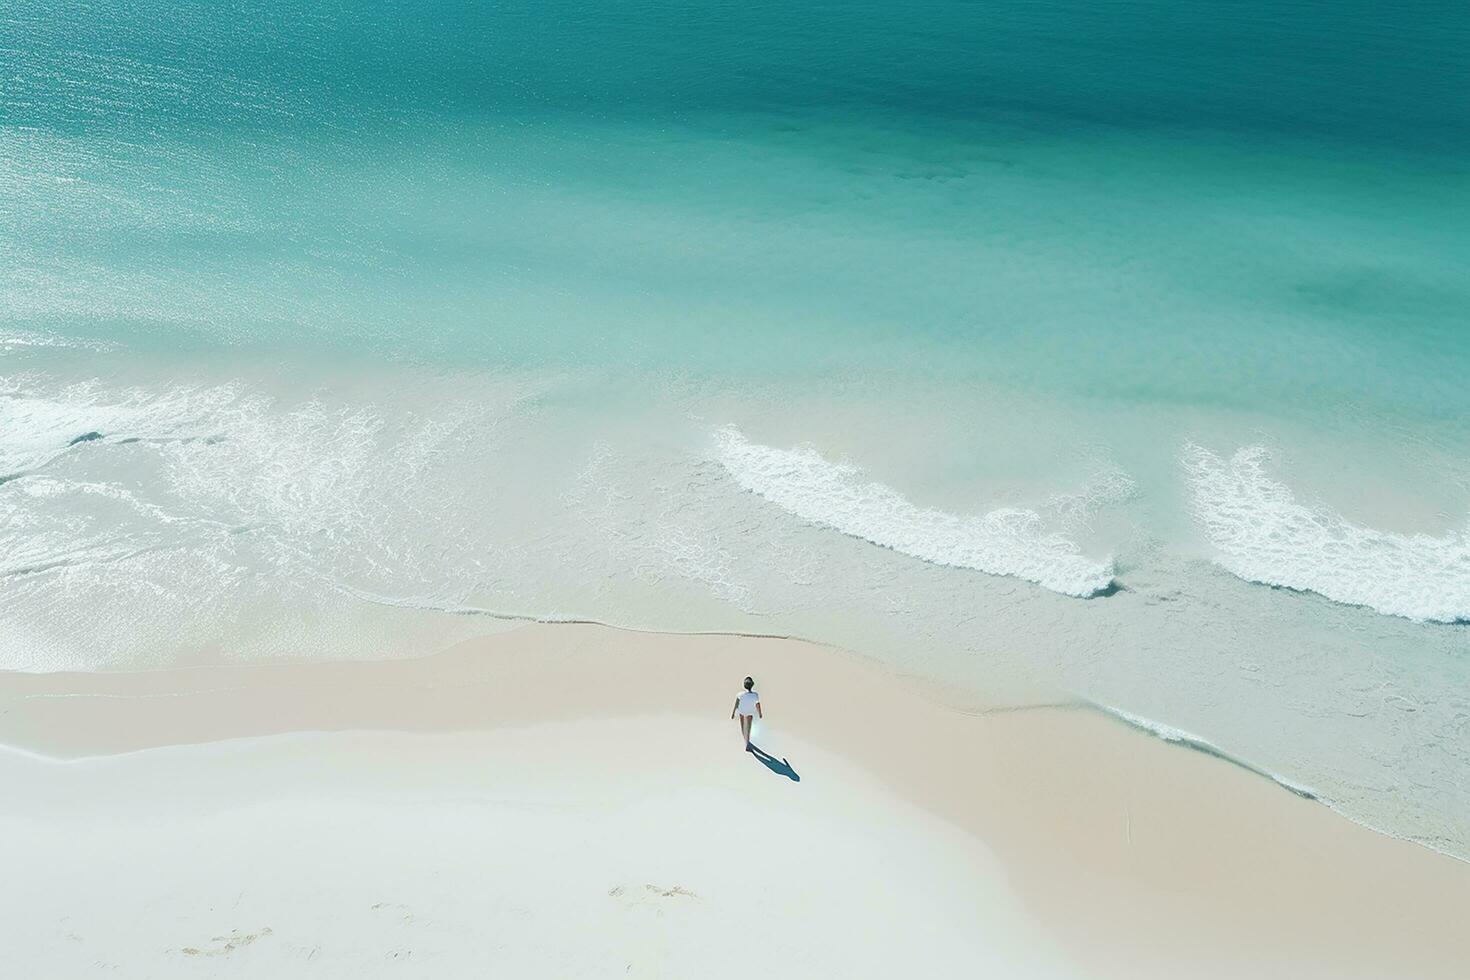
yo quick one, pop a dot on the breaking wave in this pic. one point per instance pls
(1262, 533)
(1011, 541)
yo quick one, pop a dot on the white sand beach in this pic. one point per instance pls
(573, 801)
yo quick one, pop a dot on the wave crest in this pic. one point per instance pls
(1261, 533)
(1010, 541)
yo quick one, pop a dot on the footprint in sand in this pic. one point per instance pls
(226, 944)
(402, 912)
(617, 891)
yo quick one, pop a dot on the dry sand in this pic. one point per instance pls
(544, 798)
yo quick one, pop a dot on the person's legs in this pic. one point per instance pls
(745, 721)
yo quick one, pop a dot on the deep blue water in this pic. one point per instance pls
(1355, 72)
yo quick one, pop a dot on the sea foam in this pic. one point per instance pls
(1011, 541)
(1261, 533)
(1179, 736)
(19, 340)
(41, 425)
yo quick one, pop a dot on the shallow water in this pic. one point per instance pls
(902, 329)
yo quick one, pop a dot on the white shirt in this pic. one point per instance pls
(748, 701)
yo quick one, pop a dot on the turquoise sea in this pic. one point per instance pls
(1054, 350)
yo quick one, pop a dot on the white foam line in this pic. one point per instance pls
(1176, 736)
(1261, 533)
(1011, 541)
(1180, 737)
(21, 339)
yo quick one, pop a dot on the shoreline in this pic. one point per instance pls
(941, 694)
(1132, 856)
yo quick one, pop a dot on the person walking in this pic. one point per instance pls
(748, 707)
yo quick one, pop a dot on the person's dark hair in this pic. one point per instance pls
(749, 683)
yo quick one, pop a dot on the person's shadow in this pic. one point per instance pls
(778, 766)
